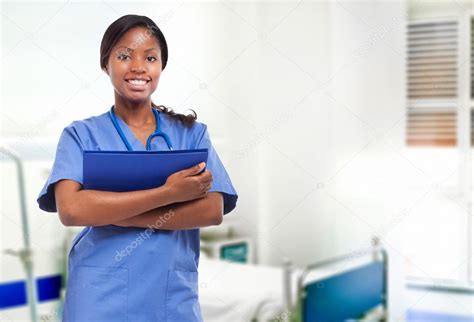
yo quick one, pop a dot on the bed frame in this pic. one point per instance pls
(350, 294)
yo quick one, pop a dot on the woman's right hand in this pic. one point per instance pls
(189, 184)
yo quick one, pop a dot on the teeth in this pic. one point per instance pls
(137, 81)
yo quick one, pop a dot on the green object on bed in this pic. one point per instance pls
(296, 313)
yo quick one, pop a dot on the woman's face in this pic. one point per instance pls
(134, 65)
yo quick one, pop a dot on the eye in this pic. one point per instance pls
(123, 56)
(151, 58)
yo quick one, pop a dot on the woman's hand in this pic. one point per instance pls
(189, 184)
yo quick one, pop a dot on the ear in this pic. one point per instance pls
(106, 70)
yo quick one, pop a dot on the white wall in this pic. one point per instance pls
(368, 183)
(295, 121)
(330, 108)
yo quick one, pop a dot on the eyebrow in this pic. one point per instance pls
(130, 49)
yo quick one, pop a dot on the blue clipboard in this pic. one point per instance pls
(121, 171)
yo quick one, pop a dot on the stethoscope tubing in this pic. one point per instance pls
(157, 132)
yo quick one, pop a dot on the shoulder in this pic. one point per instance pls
(199, 129)
(194, 132)
(83, 130)
(92, 122)
(186, 137)
(89, 125)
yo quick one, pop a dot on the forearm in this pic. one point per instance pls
(98, 208)
(198, 213)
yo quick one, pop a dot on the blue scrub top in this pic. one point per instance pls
(131, 274)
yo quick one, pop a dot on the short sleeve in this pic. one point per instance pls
(67, 165)
(221, 180)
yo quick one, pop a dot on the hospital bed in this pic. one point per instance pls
(344, 288)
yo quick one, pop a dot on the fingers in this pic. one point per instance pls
(205, 176)
(193, 170)
(205, 179)
(205, 188)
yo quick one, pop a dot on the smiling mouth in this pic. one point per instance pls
(137, 82)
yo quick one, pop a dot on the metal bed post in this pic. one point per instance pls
(377, 245)
(26, 253)
(287, 296)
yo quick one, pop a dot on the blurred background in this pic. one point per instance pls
(343, 124)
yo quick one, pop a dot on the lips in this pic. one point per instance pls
(137, 83)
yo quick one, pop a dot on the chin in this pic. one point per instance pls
(137, 101)
(136, 97)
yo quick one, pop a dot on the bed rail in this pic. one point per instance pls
(352, 292)
(25, 254)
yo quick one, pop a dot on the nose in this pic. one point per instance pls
(138, 67)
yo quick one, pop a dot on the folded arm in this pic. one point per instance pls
(185, 193)
(202, 212)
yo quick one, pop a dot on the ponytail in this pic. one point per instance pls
(186, 119)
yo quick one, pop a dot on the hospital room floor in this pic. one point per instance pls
(427, 305)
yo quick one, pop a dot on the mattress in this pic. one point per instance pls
(236, 292)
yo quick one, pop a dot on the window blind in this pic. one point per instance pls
(432, 72)
(472, 81)
(472, 60)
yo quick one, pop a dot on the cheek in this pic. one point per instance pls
(155, 76)
(113, 73)
(115, 79)
(154, 85)
(117, 74)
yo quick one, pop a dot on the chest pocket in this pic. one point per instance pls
(182, 303)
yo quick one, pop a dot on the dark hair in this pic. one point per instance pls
(116, 31)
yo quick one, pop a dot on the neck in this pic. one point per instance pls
(135, 114)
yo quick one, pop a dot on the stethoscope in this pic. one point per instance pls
(157, 132)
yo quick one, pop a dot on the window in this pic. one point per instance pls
(439, 131)
(432, 83)
(472, 60)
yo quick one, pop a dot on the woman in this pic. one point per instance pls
(137, 258)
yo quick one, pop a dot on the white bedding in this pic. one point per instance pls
(235, 292)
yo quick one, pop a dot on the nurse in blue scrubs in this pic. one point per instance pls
(137, 257)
